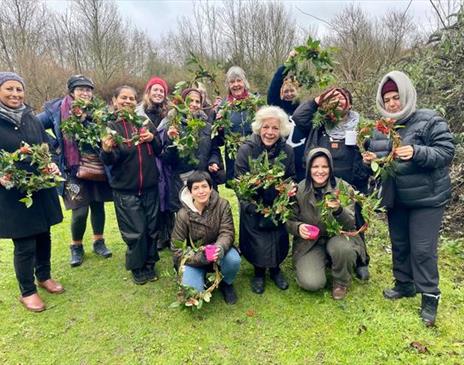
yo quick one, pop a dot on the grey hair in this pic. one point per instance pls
(236, 72)
(267, 112)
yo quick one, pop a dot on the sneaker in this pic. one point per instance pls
(400, 290)
(228, 292)
(139, 277)
(100, 248)
(77, 255)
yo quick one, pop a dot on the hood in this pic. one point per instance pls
(407, 92)
(313, 153)
(187, 200)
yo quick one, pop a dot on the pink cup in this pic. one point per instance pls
(313, 231)
(210, 252)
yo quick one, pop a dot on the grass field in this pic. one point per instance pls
(103, 318)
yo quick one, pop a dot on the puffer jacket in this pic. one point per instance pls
(422, 181)
(214, 225)
(305, 211)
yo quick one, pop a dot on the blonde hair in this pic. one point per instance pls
(267, 112)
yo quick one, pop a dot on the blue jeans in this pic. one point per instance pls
(229, 266)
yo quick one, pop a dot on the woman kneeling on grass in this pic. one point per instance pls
(134, 179)
(206, 218)
(312, 246)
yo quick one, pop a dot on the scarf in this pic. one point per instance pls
(349, 123)
(14, 114)
(70, 148)
(408, 96)
(242, 96)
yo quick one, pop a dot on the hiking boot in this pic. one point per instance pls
(77, 255)
(279, 280)
(257, 284)
(139, 277)
(429, 308)
(362, 273)
(400, 290)
(100, 248)
(150, 273)
(228, 292)
(339, 291)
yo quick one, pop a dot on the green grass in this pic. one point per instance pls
(103, 318)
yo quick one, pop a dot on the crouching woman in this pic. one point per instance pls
(206, 218)
(313, 247)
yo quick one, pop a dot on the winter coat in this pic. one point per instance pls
(17, 221)
(273, 93)
(422, 181)
(156, 116)
(263, 243)
(133, 167)
(348, 164)
(215, 225)
(305, 211)
(207, 153)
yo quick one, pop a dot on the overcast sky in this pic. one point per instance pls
(157, 17)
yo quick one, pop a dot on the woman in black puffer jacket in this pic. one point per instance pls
(418, 190)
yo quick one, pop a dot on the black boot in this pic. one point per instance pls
(400, 290)
(279, 280)
(429, 308)
(77, 255)
(257, 284)
(139, 277)
(150, 272)
(362, 273)
(228, 292)
(100, 248)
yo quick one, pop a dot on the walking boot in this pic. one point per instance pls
(228, 292)
(150, 272)
(400, 290)
(279, 280)
(362, 273)
(77, 255)
(100, 248)
(257, 284)
(139, 277)
(429, 308)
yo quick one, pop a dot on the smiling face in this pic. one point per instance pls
(392, 102)
(201, 191)
(288, 93)
(320, 171)
(236, 87)
(156, 94)
(194, 101)
(125, 100)
(270, 131)
(12, 94)
(82, 93)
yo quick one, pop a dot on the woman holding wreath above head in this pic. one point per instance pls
(328, 121)
(28, 227)
(206, 218)
(154, 106)
(418, 190)
(81, 193)
(134, 179)
(202, 154)
(263, 242)
(312, 244)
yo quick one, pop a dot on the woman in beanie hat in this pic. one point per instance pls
(29, 228)
(420, 187)
(79, 194)
(154, 106)
(177, 169)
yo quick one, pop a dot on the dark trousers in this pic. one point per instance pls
(79, 220)
(137, 217)
(414, 235)
(32, 256)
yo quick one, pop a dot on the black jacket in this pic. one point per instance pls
(133, 168)
(261, 242)
(347, 160)
(17, 221)
(424, 180)
(273, 93)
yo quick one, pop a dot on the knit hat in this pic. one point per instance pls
(189, 90)
(389, 86)
(7, 76)
(155, 80)
(79, 80)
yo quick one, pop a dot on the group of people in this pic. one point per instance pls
(162, 197)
